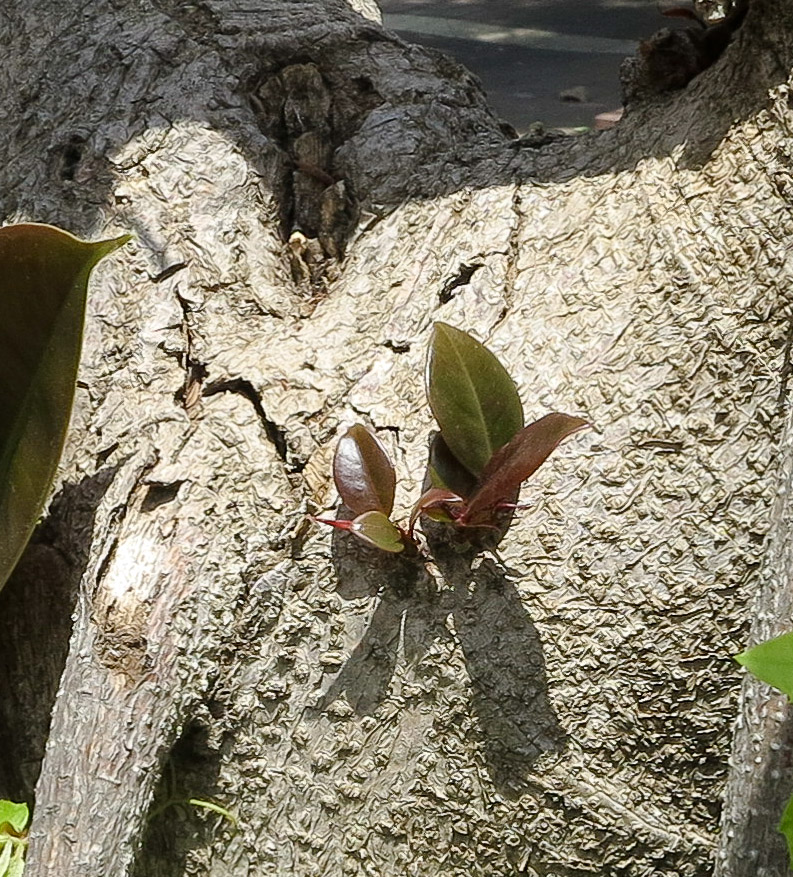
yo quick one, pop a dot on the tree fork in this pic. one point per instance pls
(569, 711)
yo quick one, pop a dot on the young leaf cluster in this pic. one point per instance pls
(366, 482)
(14, 820)
(772, 661)
(478, 460)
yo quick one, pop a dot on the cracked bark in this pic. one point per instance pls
(304, 189)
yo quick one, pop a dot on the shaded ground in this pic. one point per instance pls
(528, 51)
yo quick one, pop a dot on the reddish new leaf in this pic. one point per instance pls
(435, 503)
(363, 473)
(516, 461)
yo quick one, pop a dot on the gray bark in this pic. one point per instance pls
(308, 193)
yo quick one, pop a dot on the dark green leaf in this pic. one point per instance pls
(472, 397)
(15, 815)
(772, 661)
(376, 530)
(445, 470)
(363, 473)
(435, 503)
(43, 288)
(516, 461)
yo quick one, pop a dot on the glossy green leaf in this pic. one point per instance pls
(376, 530)
(15, 815)
(516, 461)
(436, 503)
(446, 471)
(772, 661)
(363, 473)
(472, 397)
(44, 275)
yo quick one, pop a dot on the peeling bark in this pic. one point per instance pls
(308, 193)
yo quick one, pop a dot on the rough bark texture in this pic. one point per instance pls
(308, 194)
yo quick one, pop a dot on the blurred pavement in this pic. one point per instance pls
(526, 52)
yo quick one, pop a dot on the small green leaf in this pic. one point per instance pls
(472, 397)
(16, 867)
(436, 504)
(516, 461)
(772, 661)
(376, 530)
(15, 815)
(786, 827)
(5, 856)
(215, 808)
(363, 473)
(43, 283)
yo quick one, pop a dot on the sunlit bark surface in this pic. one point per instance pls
(308, 194)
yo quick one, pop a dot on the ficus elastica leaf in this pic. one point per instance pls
(363, 473)
(43, 285)
(520, 458)
(474, 400)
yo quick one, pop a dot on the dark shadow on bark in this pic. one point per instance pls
(408, 616)
(365, 679)
(501, 645)
(504, 658)
(507, 670)
(35, 627)
(175, 827)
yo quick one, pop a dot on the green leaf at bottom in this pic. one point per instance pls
(16, 867)
(772, 662)
(376, 530)
(6, 851)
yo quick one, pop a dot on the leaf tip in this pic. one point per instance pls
(105, 247)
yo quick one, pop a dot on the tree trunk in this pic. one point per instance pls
(308, 193)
